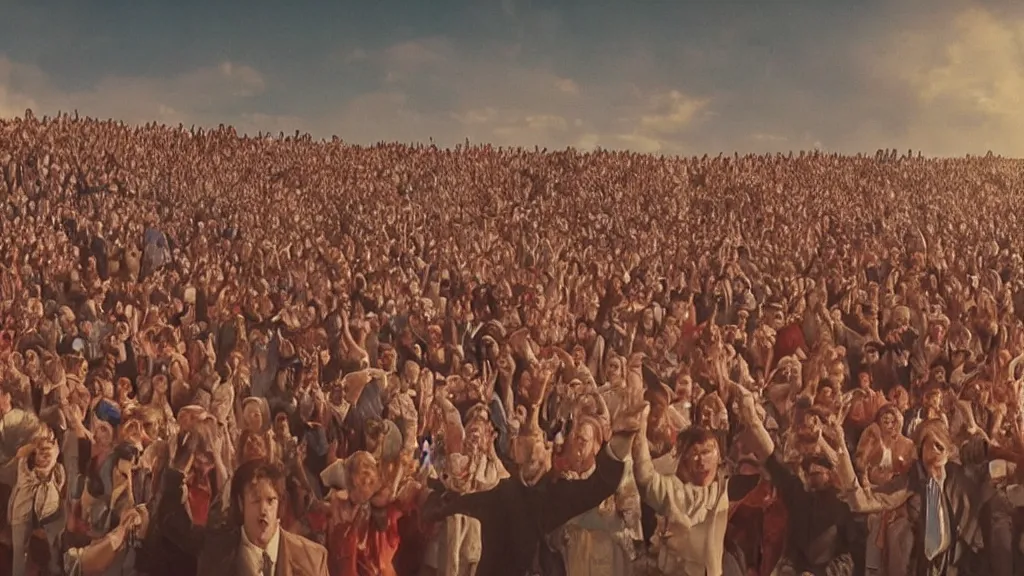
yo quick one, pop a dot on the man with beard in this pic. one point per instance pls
(599, 542)
(820, 528)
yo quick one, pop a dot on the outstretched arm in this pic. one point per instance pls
(888, 496)
(569, 498)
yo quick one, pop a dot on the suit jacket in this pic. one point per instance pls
(515, 518)
(908, 490)
(296, 556)
(217, 549)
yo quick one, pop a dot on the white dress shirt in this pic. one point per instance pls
(252, 555)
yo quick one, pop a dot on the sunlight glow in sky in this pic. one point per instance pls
(941, 76)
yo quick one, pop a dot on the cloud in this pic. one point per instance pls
(208, 95)
(438, 89)
(417, 90)
(947, 80)
(964, 80)
(673, 112)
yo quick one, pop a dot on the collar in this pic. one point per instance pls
(273, 547)
(927, 477)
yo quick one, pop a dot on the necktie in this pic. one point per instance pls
(933, 521)
(268, 566)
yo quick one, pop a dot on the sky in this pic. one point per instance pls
(945, 77)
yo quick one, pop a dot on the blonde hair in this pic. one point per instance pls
(937, 428)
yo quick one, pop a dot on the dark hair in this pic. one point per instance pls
(693, 436)
(249, 473)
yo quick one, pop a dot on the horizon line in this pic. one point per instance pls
(467, 144)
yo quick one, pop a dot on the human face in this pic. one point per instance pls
(684, 389)
(934, 452)
(103, 435)
(253, 417)
(255, 448)
(281, 426)
(583, 444)
(700, 463)
(260, 512)
(532, 455)
(871, 357)
(864, 380)
(5, 402)
(889, 424)
(45, 456)
(203, 463)
(817, 476)
(615, 369)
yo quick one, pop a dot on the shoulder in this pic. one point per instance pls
(302, 547)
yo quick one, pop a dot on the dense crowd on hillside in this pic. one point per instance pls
(225, 354)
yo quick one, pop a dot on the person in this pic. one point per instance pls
(938, 498)
(253, 541)
(517, 514)
(38, 482)
(695, 499)
(821, 531)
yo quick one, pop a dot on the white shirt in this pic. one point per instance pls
(253, 554)
(943, 520)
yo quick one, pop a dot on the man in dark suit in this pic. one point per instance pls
(251, 542)
(517, 514)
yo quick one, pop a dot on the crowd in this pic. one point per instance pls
(227, 354)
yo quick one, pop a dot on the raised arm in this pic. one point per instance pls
(569, 498)
(655, 488)
(171, 516)
(888, 496)
(762, 443)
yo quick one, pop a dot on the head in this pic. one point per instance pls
(684, 388)
(933, 399)
(700, 456)
(45, 455)
(615, 369)
(532, 454)
(252, 414)
(888, 419)
(363, 477)
(281, 427)
(584, 443)
(103, 433)
(935, 447)
(479, 434)
(374, 433)
(647, 321)
(864, 380)
(253, 446)
(871, 355)
(900, 398)
(257, 487)
(189, 416)
(817, 473)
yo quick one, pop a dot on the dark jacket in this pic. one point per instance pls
(515, 518)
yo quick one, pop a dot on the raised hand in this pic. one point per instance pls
(632, 419)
